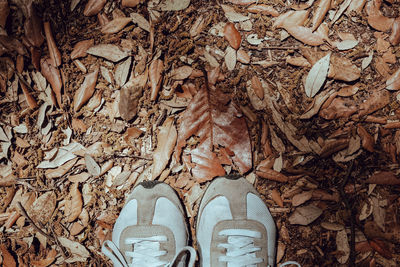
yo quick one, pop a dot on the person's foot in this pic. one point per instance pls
(234, 226)
(151, 229)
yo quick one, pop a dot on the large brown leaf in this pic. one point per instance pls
(86, 90)
(53, 76)
(55, 54)
(216, 124)
(166, 140)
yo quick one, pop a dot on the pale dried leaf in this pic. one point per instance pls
(181, 73)
(366, 210)
(108, 51)
(393, 82)
(78, 251)
(305, 215)
(291, 18)
(305, 35)
(115, 25)
(322, 9)
(60, 171)
(92, 166)
(346, 44)
(318, 101)
(122, 71)
(339, 13)
(140, 21)
(342, 245)
(230, 58)
(317, 75)
(166, 140)
(332, 226)
(93, 7)
(74, 3)
(129, 99)
(263, 9)
(243, 56)
(174, 5)
(232, 15)
(301, 198)
(86, 90)
(62, 157)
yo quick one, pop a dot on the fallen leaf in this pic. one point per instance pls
(43, 208)
(4, 11)
(349, 90)
(130, 3)
(377, 100)
(8, 259)
(174, 5)
(181, 73)
(93, 7)
(315, 106)
(367, 139)
(356, 6)
(232, 15)
(108, 51)
(60, 171)
(216, 123)
(140, 21)
(242, 2)
(242, 56)
(338, 108)
(115, 25)
(317, 75)
(375, 18)
(33, 26)
(301, 198)
(129, 98)
(271, 175)
(333, 146)
(366, 210)
(49, 259)
(166, 140)
(232, 35)
(55, 54)
(332, 226)
(78, 251)
(28, 96)
(297, 61)
(92, 166)
(346, 44)
(394, 37)
(73, 203)
(198, 26)
(155, 77)
(393, 82)
(340, 11)
(301, 5)
(380, 247)
(305, 35)
(305, 215)
(73, 5)
(291, 18)
(383, 178)
(53, 76)
(80, 48)
(276, 196)
(122, 71)
(322, 8)
(86, 90)
(342, 245)
(230, 58)
(263, 9)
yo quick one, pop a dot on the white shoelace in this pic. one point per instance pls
(145, 252)
(240, 249)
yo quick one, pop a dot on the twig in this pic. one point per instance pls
(132, 156)
(352, 259)
(281, 47)
(23, 211)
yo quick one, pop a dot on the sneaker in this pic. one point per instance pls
(234, 226)
(151, 230)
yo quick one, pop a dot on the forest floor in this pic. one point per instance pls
(300, 98)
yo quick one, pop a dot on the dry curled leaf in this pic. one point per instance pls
(216, 123)
(263, 9)
(305, 215)
(93, 7)
(55, 54)
(276, 196)
(393, 82)
(375, 17)
(322, 9)
(115, 25)
(73, 204)
(317, 75)
(53, 76)
(129, 98)
(108, 51)
(305, 35)
(383, 178)
(166, 140)
(92, 166)
(86, 90)
(232, 35)
(49, 259)
(394, 37)
(155, 77)
(367, 139)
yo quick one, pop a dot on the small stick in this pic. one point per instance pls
(23, 211)
(281, 47)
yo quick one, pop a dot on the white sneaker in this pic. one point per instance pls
(151, 229)
(234, 226)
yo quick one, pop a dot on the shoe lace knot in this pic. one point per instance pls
(240, 248)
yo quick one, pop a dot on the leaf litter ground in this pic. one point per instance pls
(327, 165)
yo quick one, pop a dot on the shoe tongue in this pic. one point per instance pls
(142, 231)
